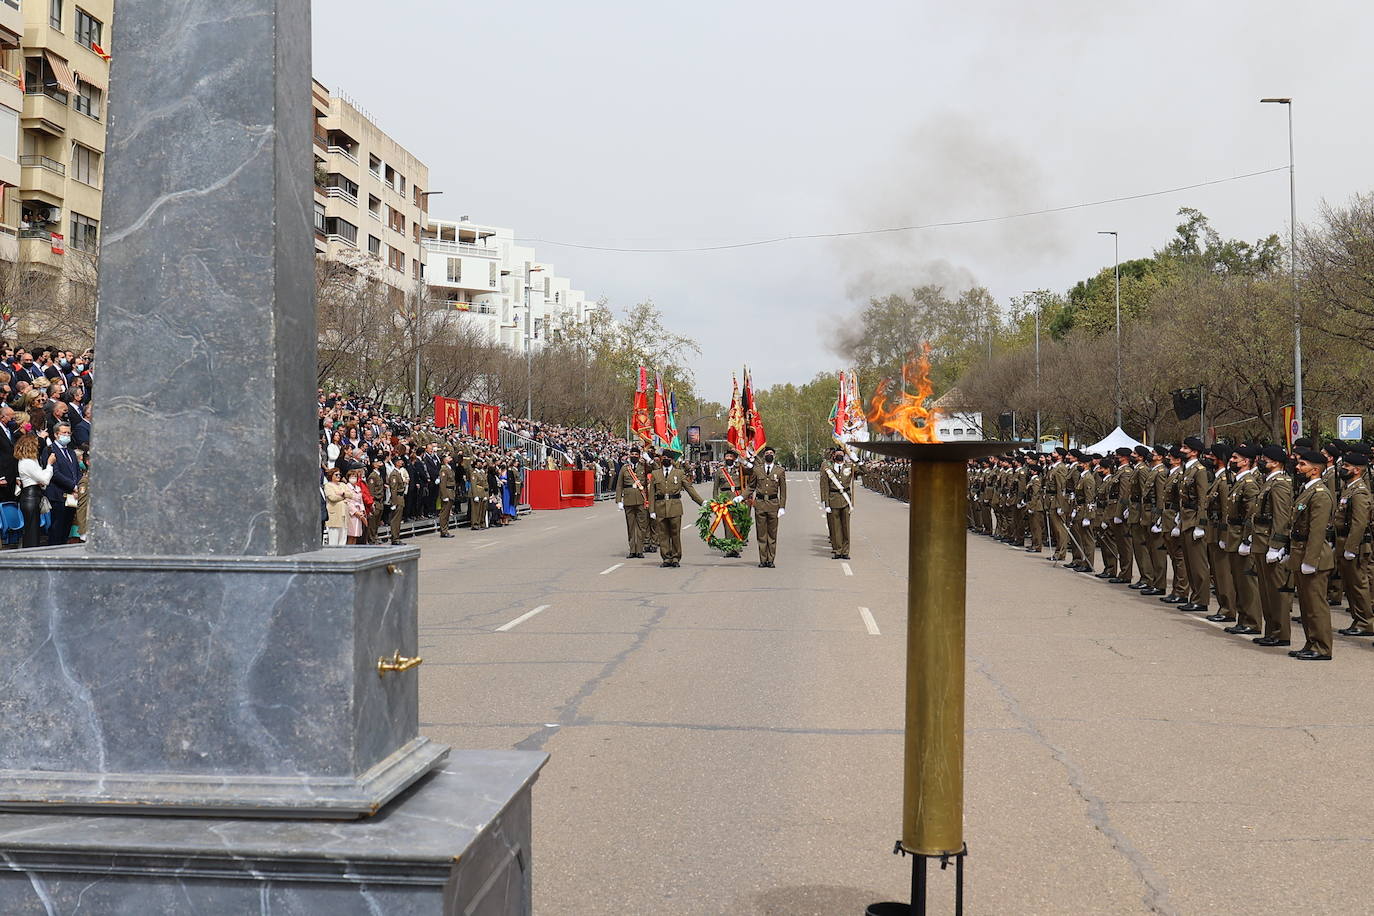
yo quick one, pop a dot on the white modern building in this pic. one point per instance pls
(952, 422)
(516, 300)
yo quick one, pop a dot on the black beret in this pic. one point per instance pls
(1176, 452)
(1248, 451)
(1162, 451)
(1075, 453)
(1221, 451)
(1301, 443)
(1356, 458)
(1311, 456)
(1124, 452)
(1194, 443)
(1061, 450)
(1143, 451)
(1334, 448)
(1274, 453)
(1361, 448)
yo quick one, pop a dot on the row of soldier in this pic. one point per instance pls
(1248, 525)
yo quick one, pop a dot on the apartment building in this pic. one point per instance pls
(517, 301)
(55, 205)
(11, 107)
(370, 193)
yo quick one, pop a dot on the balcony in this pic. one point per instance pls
(46, 111)
(340, 151)
(375, 215)
(342, 240)
(43, 176)
(475, 251)
(321, 139)
(341, 194)
(43, 162)
(35, 248)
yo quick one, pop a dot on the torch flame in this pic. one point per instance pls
(902, 412)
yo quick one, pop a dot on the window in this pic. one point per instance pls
(319, 218)
(455, 270)
(374, 247)
(374, 165)
(396, 220)
(491, 274)
(55, 14)
(396, 259)
(419, 197)
(85, 233)
(85, 165)
(87, 28)
(415, 231)
(402, 184)
(9, 134)
(374, 206)
(342, 228)
(88, 100)
(415, 268)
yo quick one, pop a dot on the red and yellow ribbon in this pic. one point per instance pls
(721, 512)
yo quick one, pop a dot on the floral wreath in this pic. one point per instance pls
(724, 524)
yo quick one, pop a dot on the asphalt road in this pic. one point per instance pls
(727, 739)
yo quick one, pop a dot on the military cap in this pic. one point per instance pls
(1334, 448)
(1194, 443)
(1356, 458)
(1302, 442)
(1061, 451)
(1143, 451)
(1076, 454)
(1310, 455)
(1221, 451)
(1162, 451)
(1176, 452)
(1124, 452)
(1274, 453)
(1248, 451)
(1359, 448)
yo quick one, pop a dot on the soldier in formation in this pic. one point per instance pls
(838, 474)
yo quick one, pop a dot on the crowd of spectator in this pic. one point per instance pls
(45, 432)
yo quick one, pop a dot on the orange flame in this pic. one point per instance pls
(902, 412)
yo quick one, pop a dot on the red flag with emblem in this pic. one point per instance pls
(639, 419)
(660, 413)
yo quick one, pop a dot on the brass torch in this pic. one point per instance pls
(937, 564)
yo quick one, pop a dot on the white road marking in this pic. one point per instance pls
(869, 622)
(484, 546)
(551, 527)
(612, 569)
(521, 619)
(847, 570)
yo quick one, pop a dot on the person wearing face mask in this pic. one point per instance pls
(631, 496)
(1353, 541)
(1311, 556)
(769, 486)
(61, 491)
(1217, 497)
(395, 499)
(1236, 541)
(837, 496)
(666, 486)
(729, 482)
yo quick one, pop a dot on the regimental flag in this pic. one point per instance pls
(448, 412)
(674, 441)
(855, 423)
(484, 422)
(639, 421)
(840, 412)
(660, 414)
(754, 436)
(734, 427)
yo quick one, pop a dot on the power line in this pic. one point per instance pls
(942, 225)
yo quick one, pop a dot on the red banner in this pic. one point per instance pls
(484, 422)
(447, 411)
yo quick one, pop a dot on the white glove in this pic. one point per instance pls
(1221, 544)
(652, 515)
(1020, 505)
(1243, 550)
(1174, 533)
(739, 499)
(1060, 511)
(1087, 522)
(827, 510)
(781, 513)
(1117, 520)
(620, 505)
(1349, 555)
(1272, 556)
(1155, 529)
(1126, 514)
(1103, 526)
(1198, 533)
(1308, 569)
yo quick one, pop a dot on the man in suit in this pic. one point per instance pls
(9, 467)
(66, 474)
(1311, 556)
(769, 485)
(666, 486)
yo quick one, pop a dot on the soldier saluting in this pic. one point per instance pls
(837, 494)
(729, 481)
(770, 503)
(666, 486)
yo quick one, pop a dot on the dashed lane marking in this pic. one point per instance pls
(521, 619)
(869, 622)
(848, 570)
(606, 572)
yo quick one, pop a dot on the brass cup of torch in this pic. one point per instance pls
(937, 564)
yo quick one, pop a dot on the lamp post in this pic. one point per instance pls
(529, 346)
(1293, 266)
(1038, 303)
(1116, 245)
(420, 295)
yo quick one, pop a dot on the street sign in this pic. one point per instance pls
(1350, 428)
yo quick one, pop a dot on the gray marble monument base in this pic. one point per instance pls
(457, 842)
(206, 684)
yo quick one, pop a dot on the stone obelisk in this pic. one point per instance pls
(202, 656)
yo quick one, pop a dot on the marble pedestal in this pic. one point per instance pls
(195, 685)
(457, 842)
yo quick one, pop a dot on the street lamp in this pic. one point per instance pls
(1293, 267)
(1116, 244)
(419, 297)
(529, 347)
(1038, 303)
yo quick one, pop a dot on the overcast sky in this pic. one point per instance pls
(641, 124)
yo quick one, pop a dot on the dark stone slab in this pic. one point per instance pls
(458, 842)
(206, 426)
(209, 683)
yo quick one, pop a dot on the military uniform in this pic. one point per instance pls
(1353, 536)
(1311, 517)
(731, 482)
(1238, 512)
(376, 485)
(1057, 495)
(1035, 509)
(1269, 532)
(1218, 497)
(396, 501)
(448, 488)
(769, 485)
(837, 495)
(1193, 491)
(1141, 520)
(478, 494)
(666, 486)
(631, 487)
(1085, 506)
(1158, 483)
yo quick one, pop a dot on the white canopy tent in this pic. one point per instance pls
(1116, 439)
